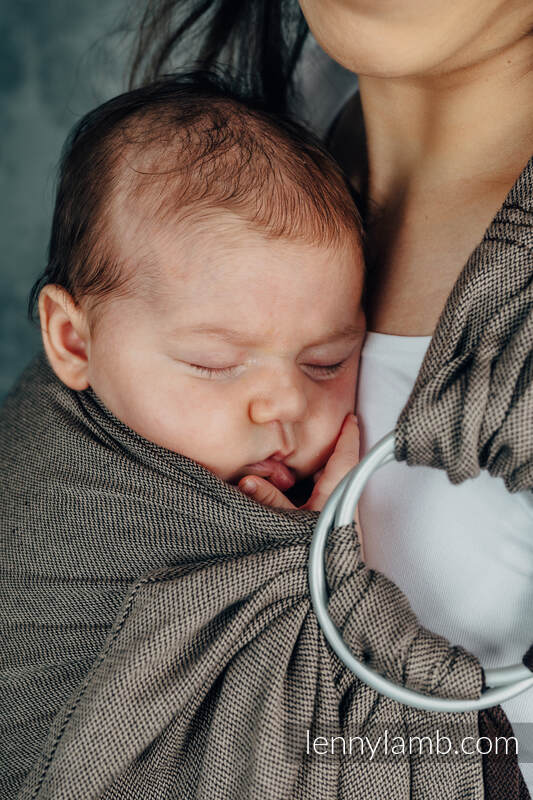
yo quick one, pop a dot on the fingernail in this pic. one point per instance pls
(249, 486)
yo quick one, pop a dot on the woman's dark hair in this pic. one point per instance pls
(259, 40)
(178, 146)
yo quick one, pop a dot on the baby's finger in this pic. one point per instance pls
(343, 459)
(264, 492)
(318, 475)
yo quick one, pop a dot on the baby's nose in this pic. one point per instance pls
(282, 400)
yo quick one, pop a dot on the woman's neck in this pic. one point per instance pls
(473, 125)
(434, 158)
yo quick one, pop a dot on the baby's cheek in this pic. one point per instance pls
(326, 422)
(341, 395)
(219, 439)
(321, 436)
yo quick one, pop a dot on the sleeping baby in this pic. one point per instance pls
(205, 280)
(202, 322)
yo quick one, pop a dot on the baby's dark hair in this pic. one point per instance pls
(187, 144)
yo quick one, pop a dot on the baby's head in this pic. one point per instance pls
(205, 279)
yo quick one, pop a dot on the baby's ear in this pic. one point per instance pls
(65, 332)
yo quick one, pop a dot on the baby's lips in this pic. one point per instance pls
(276, 472)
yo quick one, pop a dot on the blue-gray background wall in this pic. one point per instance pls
(58, 59)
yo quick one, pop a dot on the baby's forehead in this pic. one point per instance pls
(204, 244)
(211, 282)
(218, 248)
(273, 293)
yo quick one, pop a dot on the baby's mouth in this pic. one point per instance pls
(278, 473)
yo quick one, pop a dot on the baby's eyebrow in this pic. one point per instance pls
(350, 331)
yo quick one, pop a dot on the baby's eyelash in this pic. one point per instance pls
(316, 370)
(326, 369)
(219, 372)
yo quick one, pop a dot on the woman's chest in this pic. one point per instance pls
(416, 251)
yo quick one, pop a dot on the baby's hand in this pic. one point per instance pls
(344, 457)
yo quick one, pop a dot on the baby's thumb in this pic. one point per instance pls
(264, 492)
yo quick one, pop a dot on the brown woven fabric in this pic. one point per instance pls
(158, 636)
(528, 658)
(472, 403)
(501, 777)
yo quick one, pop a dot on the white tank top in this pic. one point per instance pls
(463, 555)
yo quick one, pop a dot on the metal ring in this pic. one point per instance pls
(506, 682)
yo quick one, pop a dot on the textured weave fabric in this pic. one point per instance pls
(158, 638)
(472, 404)
(165, 619)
